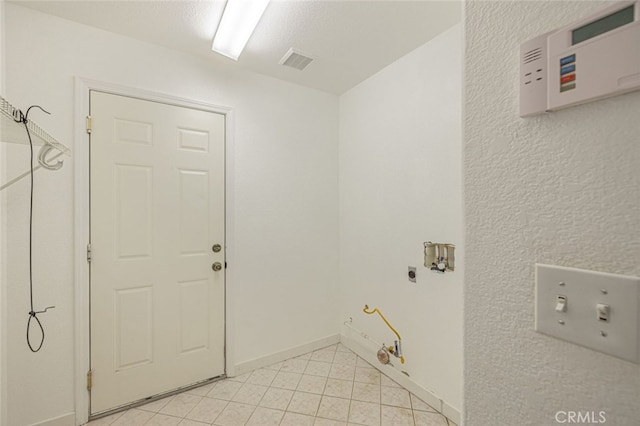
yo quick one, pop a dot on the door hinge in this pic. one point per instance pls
(89, 253)
(89, 380)
(89, 124)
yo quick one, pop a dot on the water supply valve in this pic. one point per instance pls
(396, 349)
(439, 257)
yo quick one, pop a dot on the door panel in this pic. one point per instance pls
(193, 198)
(157, 208)
(133, 220)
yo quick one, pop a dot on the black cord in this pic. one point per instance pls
(23, 118)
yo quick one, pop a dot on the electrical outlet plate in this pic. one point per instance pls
(411, 274)
(578, 323)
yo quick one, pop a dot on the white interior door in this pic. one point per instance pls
(157, 210)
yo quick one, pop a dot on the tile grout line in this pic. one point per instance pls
(321, 356)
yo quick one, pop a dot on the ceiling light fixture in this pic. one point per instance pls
(239, 19)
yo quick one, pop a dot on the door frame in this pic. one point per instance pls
(82, 229)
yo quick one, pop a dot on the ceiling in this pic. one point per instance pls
(350, 40)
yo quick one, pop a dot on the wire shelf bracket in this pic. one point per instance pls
(12, 131)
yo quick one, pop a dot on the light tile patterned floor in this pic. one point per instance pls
(328, 387)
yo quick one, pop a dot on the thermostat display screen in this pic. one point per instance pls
(603, 25)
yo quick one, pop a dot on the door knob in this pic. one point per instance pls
(216, 248)
(217, 266)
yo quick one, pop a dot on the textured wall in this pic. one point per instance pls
(562, 188)
(285, 192)
(400, 185)
(2, 38)
(3, 307)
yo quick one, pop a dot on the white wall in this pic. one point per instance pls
(3, 309)
(2, 37)
(562, 188)
(286, 217)
(400, 185)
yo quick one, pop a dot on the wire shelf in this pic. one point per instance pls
(13, 132)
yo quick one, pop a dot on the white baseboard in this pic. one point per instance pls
(267, 360)
(64, 420)
(451, 413)
(426, 395)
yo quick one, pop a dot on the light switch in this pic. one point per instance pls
(561, 303)
(602, 314)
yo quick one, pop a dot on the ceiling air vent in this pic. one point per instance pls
(296, 59)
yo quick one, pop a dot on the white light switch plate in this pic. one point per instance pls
(579, 324)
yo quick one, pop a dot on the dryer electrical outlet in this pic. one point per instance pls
(594, 58)
(592, 309)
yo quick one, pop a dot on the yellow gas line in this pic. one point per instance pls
(366, 310)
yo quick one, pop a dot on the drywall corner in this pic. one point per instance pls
(267, 360)
(366, 351)
(285, 195)
(3, 274)
(400, 186)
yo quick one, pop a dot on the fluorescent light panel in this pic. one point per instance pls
(238, 21)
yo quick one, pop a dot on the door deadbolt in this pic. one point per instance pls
(216, 248)
(217, 266)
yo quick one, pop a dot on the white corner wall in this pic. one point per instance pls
(2, 37)
(561, 188)
(400, 185)
(285, 192)
(3, 302)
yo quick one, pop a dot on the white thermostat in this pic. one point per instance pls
(589, 60)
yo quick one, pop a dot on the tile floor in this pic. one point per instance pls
(330, 386)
